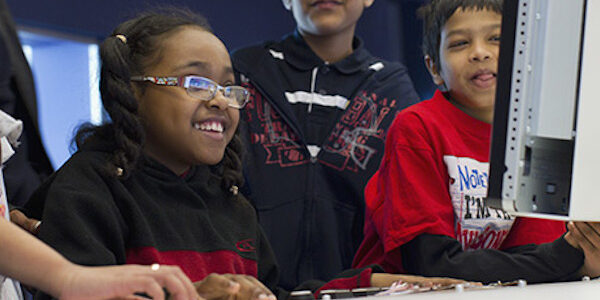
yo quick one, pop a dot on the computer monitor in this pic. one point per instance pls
(545, 153)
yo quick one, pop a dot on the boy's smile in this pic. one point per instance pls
(484, 79)
(469, 47)
(326, 4)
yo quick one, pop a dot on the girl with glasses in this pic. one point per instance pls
(159, 183)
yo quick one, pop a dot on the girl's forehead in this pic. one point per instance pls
(193, 48)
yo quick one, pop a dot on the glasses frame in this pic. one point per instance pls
(184, 81)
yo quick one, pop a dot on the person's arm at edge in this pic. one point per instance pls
(28, 260)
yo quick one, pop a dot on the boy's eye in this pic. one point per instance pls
(495, 38)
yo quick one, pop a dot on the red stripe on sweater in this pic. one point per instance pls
(196, 265)
(363, 279)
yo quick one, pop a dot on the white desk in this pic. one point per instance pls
(549, 291)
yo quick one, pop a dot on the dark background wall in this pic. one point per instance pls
(389, 28)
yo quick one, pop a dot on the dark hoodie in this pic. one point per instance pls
(156, 216)
(314, 135)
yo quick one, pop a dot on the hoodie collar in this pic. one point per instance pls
(298, 54)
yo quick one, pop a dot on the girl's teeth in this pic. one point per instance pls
(217, 127)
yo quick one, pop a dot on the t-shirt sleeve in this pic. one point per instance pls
(533, 231)
(413, 185)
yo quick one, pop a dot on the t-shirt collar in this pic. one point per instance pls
(473, 126)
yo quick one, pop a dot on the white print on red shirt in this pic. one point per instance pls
(476, 226)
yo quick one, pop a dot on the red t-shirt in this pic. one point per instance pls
(432, 180)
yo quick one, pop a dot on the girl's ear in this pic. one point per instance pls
(433, 70)
(368, 3)
(137, 91)
(287, 4)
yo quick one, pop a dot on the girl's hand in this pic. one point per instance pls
(232, 287)
(123, 282)
(586, 237)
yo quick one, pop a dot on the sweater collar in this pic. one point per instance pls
(300, 55)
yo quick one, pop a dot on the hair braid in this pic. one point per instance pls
(232, 164)
(135, 45)
(132, 48)
(120, 102)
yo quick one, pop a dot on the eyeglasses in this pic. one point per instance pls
(202, 88)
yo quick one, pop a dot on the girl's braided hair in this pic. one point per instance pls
(130, 50)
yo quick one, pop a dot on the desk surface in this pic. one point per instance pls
(549, 291)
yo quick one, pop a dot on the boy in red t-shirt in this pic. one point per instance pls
(425, 212)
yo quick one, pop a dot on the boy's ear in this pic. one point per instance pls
(433, 70)
(287, 4)
(368, 3)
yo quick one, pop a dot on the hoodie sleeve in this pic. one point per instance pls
(80, 219)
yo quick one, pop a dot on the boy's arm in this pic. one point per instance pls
(415, 223)
(439, 255)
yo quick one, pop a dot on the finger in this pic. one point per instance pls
(148, 286)
(248, 289)
(19, 218)
(571, 236)
(259, 284)
(189, 290)
(216, 286)
(135, 283)
(574, 236)
(176, 287)
(129, 298)
(33, 226)
(583, 242)
(590, 235)
(594, 226)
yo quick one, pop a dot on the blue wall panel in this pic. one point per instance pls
(63, 94)
(237, 22)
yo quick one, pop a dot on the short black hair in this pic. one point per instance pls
(436, 14)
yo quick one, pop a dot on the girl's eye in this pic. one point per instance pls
(457, 44)
(495, 38)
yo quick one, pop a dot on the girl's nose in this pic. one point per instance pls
(219, 101)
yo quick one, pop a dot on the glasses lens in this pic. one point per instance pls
(237, 95)
(201, 88)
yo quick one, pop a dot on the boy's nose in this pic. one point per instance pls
(480, 53)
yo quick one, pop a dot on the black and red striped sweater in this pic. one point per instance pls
(156, 216)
